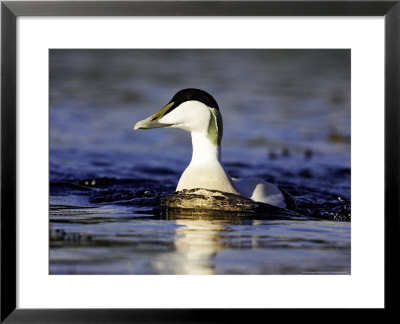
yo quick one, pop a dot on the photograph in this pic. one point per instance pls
(199, 161)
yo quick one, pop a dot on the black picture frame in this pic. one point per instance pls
(10, 10)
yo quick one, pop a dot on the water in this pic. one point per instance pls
(286, 119)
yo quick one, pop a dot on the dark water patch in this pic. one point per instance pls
(342, 172)
(308, 153)
(111, 196)
(98, 184)
(54, 208)
(101, 163)
(236, 164)
(145, 193)
(320, 195)
(337, 213)
(336, 210)
(157, 170)
(139, 197)
(68, 188)
(305, 173)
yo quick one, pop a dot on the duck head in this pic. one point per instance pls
(192, 110)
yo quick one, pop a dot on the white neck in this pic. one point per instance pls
(204, 151)
(205, 170)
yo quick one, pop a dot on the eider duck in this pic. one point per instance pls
(197, 112)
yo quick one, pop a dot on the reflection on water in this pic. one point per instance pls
(286, 119)
(199, 241)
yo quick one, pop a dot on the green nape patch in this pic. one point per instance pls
(215, 130)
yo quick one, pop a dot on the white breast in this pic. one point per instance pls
(209, 176)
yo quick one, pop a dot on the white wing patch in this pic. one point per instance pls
(260, 191)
